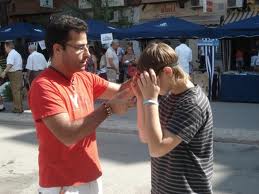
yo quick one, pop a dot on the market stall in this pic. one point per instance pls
(171, 27)
(22, 30)
(241, 60)
(96, 28)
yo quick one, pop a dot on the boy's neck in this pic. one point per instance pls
(181, 87)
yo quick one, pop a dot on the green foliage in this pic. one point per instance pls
(99, 11)
(8, 93)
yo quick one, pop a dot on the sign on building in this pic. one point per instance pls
(84, 4)
(112, 3)
(106, 38)
(46, 3)
(155, 1)
(208, 42)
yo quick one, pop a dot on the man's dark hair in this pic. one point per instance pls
(183, 40)
(59, 28)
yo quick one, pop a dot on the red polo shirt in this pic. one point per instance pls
(50, 94)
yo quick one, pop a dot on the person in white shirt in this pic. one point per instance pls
(14, 72)
(112, 61)
(36, 63)
(184, 54)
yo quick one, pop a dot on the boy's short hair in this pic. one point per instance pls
(158, 55)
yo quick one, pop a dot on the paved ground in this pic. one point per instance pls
(125, 162)
(233, 122)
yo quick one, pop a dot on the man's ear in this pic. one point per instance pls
(168, 71)
(57, 48)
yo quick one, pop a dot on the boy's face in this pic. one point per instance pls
(164, 82)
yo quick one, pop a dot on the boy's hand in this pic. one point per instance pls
(135, 88)
(148, 85)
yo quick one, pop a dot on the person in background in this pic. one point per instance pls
(239, 59)
(92, 61)
(2, 81)
(36, 63)
(103, 65)
(201, 57)
(62, 100)
(112, 61)
(13, 70)
(184, 54)
(177, 127)
(128, 60)
(22, 49)
(120, 53)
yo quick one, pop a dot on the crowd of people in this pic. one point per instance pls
(12, 70)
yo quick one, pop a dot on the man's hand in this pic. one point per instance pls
(135, 88)
(121, 102)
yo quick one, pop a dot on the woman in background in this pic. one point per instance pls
(128, 60)
(92, 62)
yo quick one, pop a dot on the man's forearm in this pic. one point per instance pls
(74, 131)
(8, 67)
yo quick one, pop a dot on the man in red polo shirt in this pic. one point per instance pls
(62, 102)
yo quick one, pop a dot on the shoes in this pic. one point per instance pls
(17, 111)
(2, 109)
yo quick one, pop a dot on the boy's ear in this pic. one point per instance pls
(168, 71)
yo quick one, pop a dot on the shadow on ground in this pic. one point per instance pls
(236, 169)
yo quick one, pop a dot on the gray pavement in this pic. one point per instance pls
(125, 163)
(233, 122)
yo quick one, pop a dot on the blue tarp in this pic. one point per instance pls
(244, 28)
(171, 27)
(96, 28)
(22, 30)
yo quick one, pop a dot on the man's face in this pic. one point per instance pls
(76, 53)
(116, 46)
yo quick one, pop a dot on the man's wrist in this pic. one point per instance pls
(107, 109)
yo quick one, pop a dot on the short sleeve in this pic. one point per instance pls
(185, 122)
(190, 57)
(99, 85)
(29, 63)
(109, 54)
(45, 100)
(10, 59)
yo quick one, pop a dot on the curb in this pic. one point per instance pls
(108, 126)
